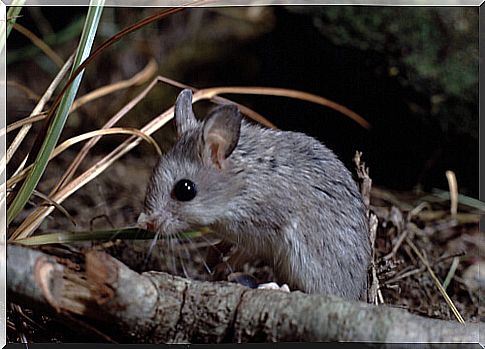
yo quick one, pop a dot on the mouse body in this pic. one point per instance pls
(280, 196)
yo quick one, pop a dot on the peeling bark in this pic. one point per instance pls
(155, 307)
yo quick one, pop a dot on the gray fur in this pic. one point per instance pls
(281, 196)
(184, 116)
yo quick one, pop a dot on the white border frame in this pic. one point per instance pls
(3, 148)
(151, 3)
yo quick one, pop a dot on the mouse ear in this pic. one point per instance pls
(221, 133)
(184, 115)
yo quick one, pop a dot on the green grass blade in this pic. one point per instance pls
(121, 233)
(68, 237)
(55, 129)
(462, 199)
(5, 27)
(12, 14)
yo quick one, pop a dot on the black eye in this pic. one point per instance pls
(184, 190)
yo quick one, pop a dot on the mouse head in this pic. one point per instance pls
(191, 186)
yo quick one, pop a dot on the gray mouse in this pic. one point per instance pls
(278, 195)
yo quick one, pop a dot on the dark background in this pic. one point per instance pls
(411, 72)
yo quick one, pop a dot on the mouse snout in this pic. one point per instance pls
(148, 222)
(160, 222)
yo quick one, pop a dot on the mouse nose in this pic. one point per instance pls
(147, 222)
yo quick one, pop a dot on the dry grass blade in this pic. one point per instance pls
(98, 133)
(55, 204)
(405, 231)
(108, 131)
(40, 44)
(211, 93)
(366, 181)
(271, 91)
(84, 151)
(28, 120)
(38, 108)
(136, 80)
(436, 281)
(245, 110)
(452, 183)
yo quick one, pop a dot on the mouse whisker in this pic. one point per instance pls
(213, 245)
(202, 258)
(182, 263)
(150, 250)
(173, 266)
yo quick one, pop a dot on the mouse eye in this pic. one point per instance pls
(184, 190)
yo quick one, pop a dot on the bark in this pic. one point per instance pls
(155, 307)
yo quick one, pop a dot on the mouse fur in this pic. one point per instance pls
(279, 195)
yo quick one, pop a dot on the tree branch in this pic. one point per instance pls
(156, 307)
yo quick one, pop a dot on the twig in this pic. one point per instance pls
(366, 181)
(374, 294)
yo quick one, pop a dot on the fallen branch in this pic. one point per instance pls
(156, 307)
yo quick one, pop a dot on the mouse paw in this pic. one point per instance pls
(274, 286)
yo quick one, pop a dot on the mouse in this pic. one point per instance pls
(281, 196)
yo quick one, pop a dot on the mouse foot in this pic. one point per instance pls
(274, 286)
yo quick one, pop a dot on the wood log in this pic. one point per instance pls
(156, 307)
